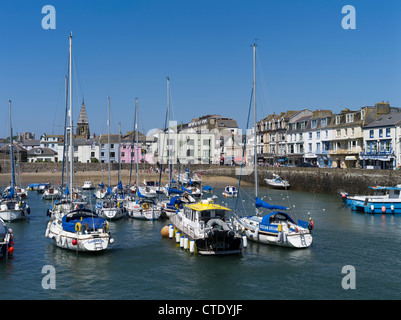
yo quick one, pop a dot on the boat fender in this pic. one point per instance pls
(74, 242)
(392, 207)
(118, 204)
(78, 227)
(244, 241)
(383, 209)
(192, 246)
(182, 242)
(171, 231)
(372, 208)
(47, 233)
(111, 240)
(20, 204)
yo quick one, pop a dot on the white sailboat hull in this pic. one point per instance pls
(292, 241)
(136, 211)
(110, 213)
(84, 242)
(287, 237)
(13, 212)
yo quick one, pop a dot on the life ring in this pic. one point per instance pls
(78, 227)
(145, 206)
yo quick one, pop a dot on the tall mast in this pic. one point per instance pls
(71, 128)
(168, 132)
(119, 148)
(65, 135)
(11, 148)
(108, 133)
(136, 139)
(254, 120)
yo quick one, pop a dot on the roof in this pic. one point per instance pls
(384, 120)
(42, 151)
(114, 138)
(206, 205)
(7, 147)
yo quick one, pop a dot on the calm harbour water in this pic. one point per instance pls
(141, 265)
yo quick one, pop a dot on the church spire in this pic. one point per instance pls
(83, 124)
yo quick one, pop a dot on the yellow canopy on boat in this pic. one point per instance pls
(206, 205)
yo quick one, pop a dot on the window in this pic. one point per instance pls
(318, 135)
(310, 135)
(387, 132)
(371, 134)
(349, 118)
(338, 132)
(309, 147)
(323, 122)
(314, 124)
(338, 119)
(380, 133)
(318, 147)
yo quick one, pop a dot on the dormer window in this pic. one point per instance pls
(338, 119)
(349, 118)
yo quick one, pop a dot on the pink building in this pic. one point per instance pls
(128, 151)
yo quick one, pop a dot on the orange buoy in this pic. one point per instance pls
(165, 231)
(383, 209)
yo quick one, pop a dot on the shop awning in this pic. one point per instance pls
(350, 158)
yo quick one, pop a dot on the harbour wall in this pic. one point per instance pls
(318, 180)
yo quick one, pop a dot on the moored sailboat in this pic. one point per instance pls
(79, 229)
(12, 207)
(276, 228)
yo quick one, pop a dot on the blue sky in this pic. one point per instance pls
(125, 49)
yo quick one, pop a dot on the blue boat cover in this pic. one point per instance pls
(260, 203)
(207, 188)
(277, 216)
(172, 190)
(10, 194)
(68, 224)
(140, 195)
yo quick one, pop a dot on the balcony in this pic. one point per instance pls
(377, 155)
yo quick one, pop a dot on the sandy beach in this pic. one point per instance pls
(97, 177)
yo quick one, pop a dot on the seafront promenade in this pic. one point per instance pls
(317, 180)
